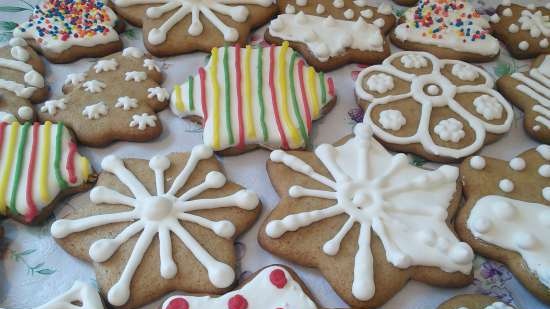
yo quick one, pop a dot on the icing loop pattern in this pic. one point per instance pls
(32, 78)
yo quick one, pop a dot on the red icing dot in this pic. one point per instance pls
(178, 303)
(278, 278)
(237, 302)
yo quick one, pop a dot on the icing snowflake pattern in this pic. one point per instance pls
(158, 92)
(94, 86)
(51, 106)
(450, 130)
(159, 213)
(126, 103)
(143, 121)
(95, 111)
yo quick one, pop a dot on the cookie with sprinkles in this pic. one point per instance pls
(67, 30)
(449, 29)
(474, 301)
(39, 165)
(173, 27)
(116, 99)
(330, 34)
(506, 215)
(525, 30)
(249, 97)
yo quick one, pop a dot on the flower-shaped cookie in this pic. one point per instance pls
(507, 214)
(116, 99)
(172, 27)
(474, 301)
(369, 221)
(155, 226)
(448, 108)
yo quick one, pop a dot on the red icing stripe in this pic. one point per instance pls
(70, 163)
(284, 142)
(304, 94)
(202, 76)
(238, 76)
(32, 211)
(331, 91)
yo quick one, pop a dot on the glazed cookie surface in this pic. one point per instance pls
(330, 34)
(265, 97)
(116, 99)
(65, 31)
(474, 302)
(442, 110)
(152, 227)
(368, 220)
(507, 214)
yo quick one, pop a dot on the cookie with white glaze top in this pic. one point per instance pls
(116, 99)
(173, 27)
(22, 81)
(449, 29)
(332, 33)
(368, 220)
(442, 110)
(530, 91)
(524, 30)
(260, 97)
(65, 31)
(80, 295)
(474, 301)
(154, 226)
(506, 216)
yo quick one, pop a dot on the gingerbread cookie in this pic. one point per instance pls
(507, 214)
(474, 302)
(172, 27)
(530, 91)
(449, 29)
(275, 286)
(65, 31)
(442, 110)
(39, 165)
(21, 82)
(260, 96)
(116, 99)
(80, 295)
(524, 30)
(369, 221)
(406, 2)
(331, 33)
(186, 200)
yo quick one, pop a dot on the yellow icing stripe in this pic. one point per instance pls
(45, 163)
(215, 98)
(250, 128)
(179, 103)
(293, 132)
(8, 163)
(312, 89)
(85, 167)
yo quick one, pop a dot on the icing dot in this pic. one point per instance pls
(544, 43)
(384, 8)
(338, 4)
(544, 170)
(517, 164)
(367, 13)
(525, 240)
(494, 18)
(513, 28)
(546, 193)
(278, 278)
(320, 9)
(506, 185)
(237, 302)
(301, 2)
(477, 162)
(544, 151)
(482, 225)
(290, 9)
(507, 12)
(348, 14)
(25, 113)
(523, 45)
(379, 22)
(178, 303)
(433, 90)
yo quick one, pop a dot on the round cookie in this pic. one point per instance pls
(442, 110)
(367, 219)
(474, 302)
(159, 225)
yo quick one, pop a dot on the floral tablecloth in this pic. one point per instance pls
(33, 268)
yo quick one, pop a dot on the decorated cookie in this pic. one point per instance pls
(155, 226)
(507, 214)
(275, 286)
(443, 110)
(21, 81)
(116, 99)
(406, 2)
(172, 27)
(449, 29)
(332, 33)
(474, 302)
(524, 30)
(259, 96)
(530, 91)
(368, 220)
(83, 294)
(65, 31)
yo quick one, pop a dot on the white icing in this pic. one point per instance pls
(384, 8)
(544, 170)
(301, 2)
(51, 106)
(75, 79)
(106, 65)
(141, 122)
(477, 162)
(19, 53)
(546, 193)
(80, 292)
(15, 41)
(506, 185)
(415, 61)
(392, 119)
(488, 106)
(7, 117)
(126, 103)
(95, 111)
(25, 113)
(494, 18)
(94, 86)
(523, 45)
(495, 305)
(380, 83)
(32, 78)
(544, 43)
(432, 90)
(133, 52)
(320, 9)
(151, 65)
(507, 12)
(159, 93)
(513, 28)
(136, 76)
(404, 205)
(367, 13)
(338, 4)
(517, 164)
(544, 151)
(290, 9)
(463, 72)
(537, 24)
(349, 13)
(450, 130)
(360, 3)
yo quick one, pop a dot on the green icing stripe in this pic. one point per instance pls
(261, 93)
(57, 161)
(191, 97)
(323, 88)
(228, 125)
(19, 165)
(297, 113)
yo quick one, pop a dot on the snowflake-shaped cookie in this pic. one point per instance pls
(530, 91)
(525, 30)
(80, 293)
(172, 27)
(203, 211)
(116, 99)
(333, 201)
(428, 93)
(331, 33)
(474, 301)
(507, 214)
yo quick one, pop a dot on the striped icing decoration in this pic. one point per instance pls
(248, 96)
(37, 161)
